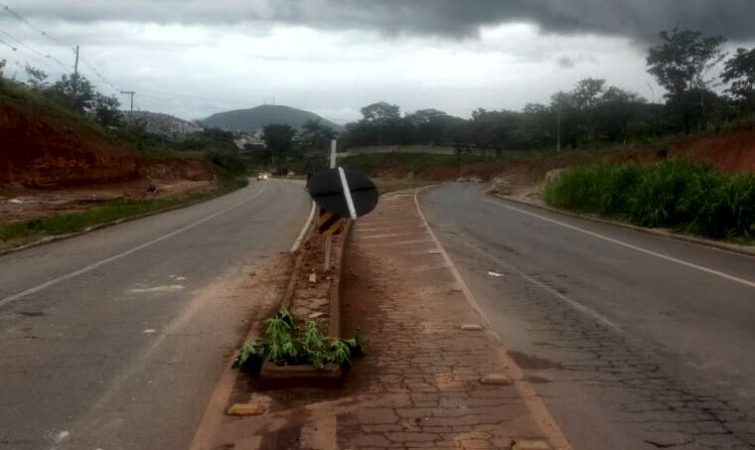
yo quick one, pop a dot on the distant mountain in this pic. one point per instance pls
(165, 124)
(251, 120)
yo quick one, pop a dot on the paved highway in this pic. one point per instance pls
(115, 339)
(634, 341)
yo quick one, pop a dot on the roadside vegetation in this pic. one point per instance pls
(286, 343)
(594, 114)
(73, 102)
(108, 212)
(682, 195)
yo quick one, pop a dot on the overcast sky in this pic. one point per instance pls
(193, 58)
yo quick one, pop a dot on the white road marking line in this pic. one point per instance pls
(630, 246)
(101, 263)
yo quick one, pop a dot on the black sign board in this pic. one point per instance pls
(326, 189)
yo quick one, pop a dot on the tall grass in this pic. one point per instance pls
(680, 194)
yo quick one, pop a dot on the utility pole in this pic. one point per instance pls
(558, 126)
(76, 64)
(130, 93)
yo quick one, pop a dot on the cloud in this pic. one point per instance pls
(566, 62)
(637, 19)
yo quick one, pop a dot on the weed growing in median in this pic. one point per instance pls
(286, 343)
(680, 194)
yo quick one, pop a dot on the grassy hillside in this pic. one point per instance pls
(251, 120)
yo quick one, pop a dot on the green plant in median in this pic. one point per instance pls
(680, 194)
(286, 343)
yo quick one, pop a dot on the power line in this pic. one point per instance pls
(41, 31)
(32, 26)
(19, 44)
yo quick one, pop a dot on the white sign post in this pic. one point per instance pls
(329, 238)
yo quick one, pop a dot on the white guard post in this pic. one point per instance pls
(329, 238)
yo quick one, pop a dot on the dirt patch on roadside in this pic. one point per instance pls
(51, 164)
(311, 295)
(729, 152)
(733, 153)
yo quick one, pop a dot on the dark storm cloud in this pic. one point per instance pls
(640, 19)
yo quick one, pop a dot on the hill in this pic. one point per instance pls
(165, 125)
(251, 120)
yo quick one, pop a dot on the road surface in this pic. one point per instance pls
(115, 339)
(635, 341)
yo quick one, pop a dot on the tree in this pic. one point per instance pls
(588, 92)
(106, 110)
(280, 140)
(739, 72)
(586, 96)
(37, 78)
(382, 121)
(3, 62)
(683, 58)
(615, 111)
(430, 125)
(381, 112)
(681, 63)
(315, 136)
(74, 91)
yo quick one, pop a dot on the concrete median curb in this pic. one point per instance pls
(304, 375)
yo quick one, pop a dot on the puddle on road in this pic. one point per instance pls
(528, 362)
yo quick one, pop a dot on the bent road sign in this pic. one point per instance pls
(327, 189)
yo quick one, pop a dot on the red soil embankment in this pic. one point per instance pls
(40, 150)
(733, 152)
(44, 151)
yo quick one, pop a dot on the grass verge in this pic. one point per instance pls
(108, 212)
(682, 195)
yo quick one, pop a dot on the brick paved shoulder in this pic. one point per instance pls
(420, 386)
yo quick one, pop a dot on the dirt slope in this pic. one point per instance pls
(42, 150)
(730, 152)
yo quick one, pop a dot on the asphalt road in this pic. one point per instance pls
(634, 341)
(115, 339)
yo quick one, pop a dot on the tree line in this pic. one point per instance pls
(73, 92)
(683, 62)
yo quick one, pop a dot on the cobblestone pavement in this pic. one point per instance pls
(633, 389)
(423, 370)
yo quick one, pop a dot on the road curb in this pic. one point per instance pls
(653, 231)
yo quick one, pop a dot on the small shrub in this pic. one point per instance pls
(285, 343)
